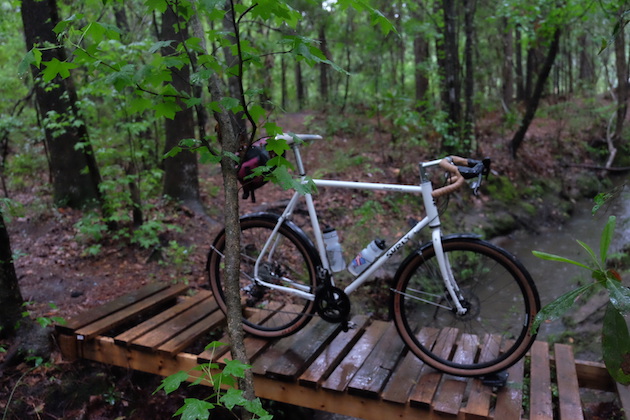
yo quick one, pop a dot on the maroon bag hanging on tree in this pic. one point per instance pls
(256, 156)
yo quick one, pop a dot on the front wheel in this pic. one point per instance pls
(497, 291)
(290, 262)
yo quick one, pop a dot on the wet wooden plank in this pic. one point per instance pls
(449, 398)
(424, 391)
(371, 378)
(154, 322)
(168, 330)
(189, 335)
(540, 389)
(339, 347)
(510, 397)
(343, 374)
(94, 314)
(119, 317)
(302, 353)
(480, 396)
(277, 351)
(407, 373)
(568, 388)
(624, 396)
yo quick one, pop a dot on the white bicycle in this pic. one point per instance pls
(457, 288)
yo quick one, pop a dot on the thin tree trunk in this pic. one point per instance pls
(451, 67)
(323, 67)
(469, 85)
(10, 297)
(532, 104)
(508, 66)
(230, 144)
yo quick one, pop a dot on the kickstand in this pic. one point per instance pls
(495, 380)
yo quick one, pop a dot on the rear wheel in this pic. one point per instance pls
(498, 293)
(289, 261)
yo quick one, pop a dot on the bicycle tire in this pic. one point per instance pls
(499, 293)
(267, 312)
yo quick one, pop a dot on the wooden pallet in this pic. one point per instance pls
(365, 373)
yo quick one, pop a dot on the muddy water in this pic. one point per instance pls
(554, 278)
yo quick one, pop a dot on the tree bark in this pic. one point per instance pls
(230, 144)
(469, 85)
(10, 297)
(507, 92)
(68, 142)
(451, 84)
(181, 180)
(323, 67)
(622, 81)
(532, 104)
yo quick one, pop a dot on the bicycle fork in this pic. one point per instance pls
(447, 273)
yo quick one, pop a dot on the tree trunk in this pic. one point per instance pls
(520, 79)
(532, 104)
(450, 67)
(67, 143)
(230, 144)
(323, 67)
(622, 80)
(507, 93)
(469, 85)
(180, 172)
(10, 297)
(299, 85)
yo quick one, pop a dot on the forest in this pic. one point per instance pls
(122, 124)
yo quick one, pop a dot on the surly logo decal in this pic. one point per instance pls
(397, 247)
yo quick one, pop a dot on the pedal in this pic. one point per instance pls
(496, 380)
(348, 325)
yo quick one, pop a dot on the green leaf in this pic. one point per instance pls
(619, 295)
(558, 307)
(235, 368)
(34, 57)
(590, 252)
(552, 257)
(166, 109)
(214, 345)
(55, 67)
(172, 383)
(194, 409)
(272, 129)
(232, 397)
(277, 146)
(255, 406)
(607, 235)
(616, 345)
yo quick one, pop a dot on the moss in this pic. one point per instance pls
(502, 189)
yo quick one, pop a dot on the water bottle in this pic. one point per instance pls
(366, 256)
(333, 250)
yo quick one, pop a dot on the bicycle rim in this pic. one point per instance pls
(500, 298)
(268, 312)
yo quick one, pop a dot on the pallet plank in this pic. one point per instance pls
(568, 388)
(371, 378)
(424, 391)
(302, 353)
(154, 322)
(343, 373)
(540, 389)
(166, 331)
(449, 399)
(94, 314)
(338, 348)
(510, 397)
(278, 349)
(91, 330)
(406, 375)
(189, 335)
(480, 395)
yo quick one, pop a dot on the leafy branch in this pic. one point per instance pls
(615, 335)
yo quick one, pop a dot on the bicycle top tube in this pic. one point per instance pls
(291, 137)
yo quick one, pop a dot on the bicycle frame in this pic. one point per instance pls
(431, 219)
